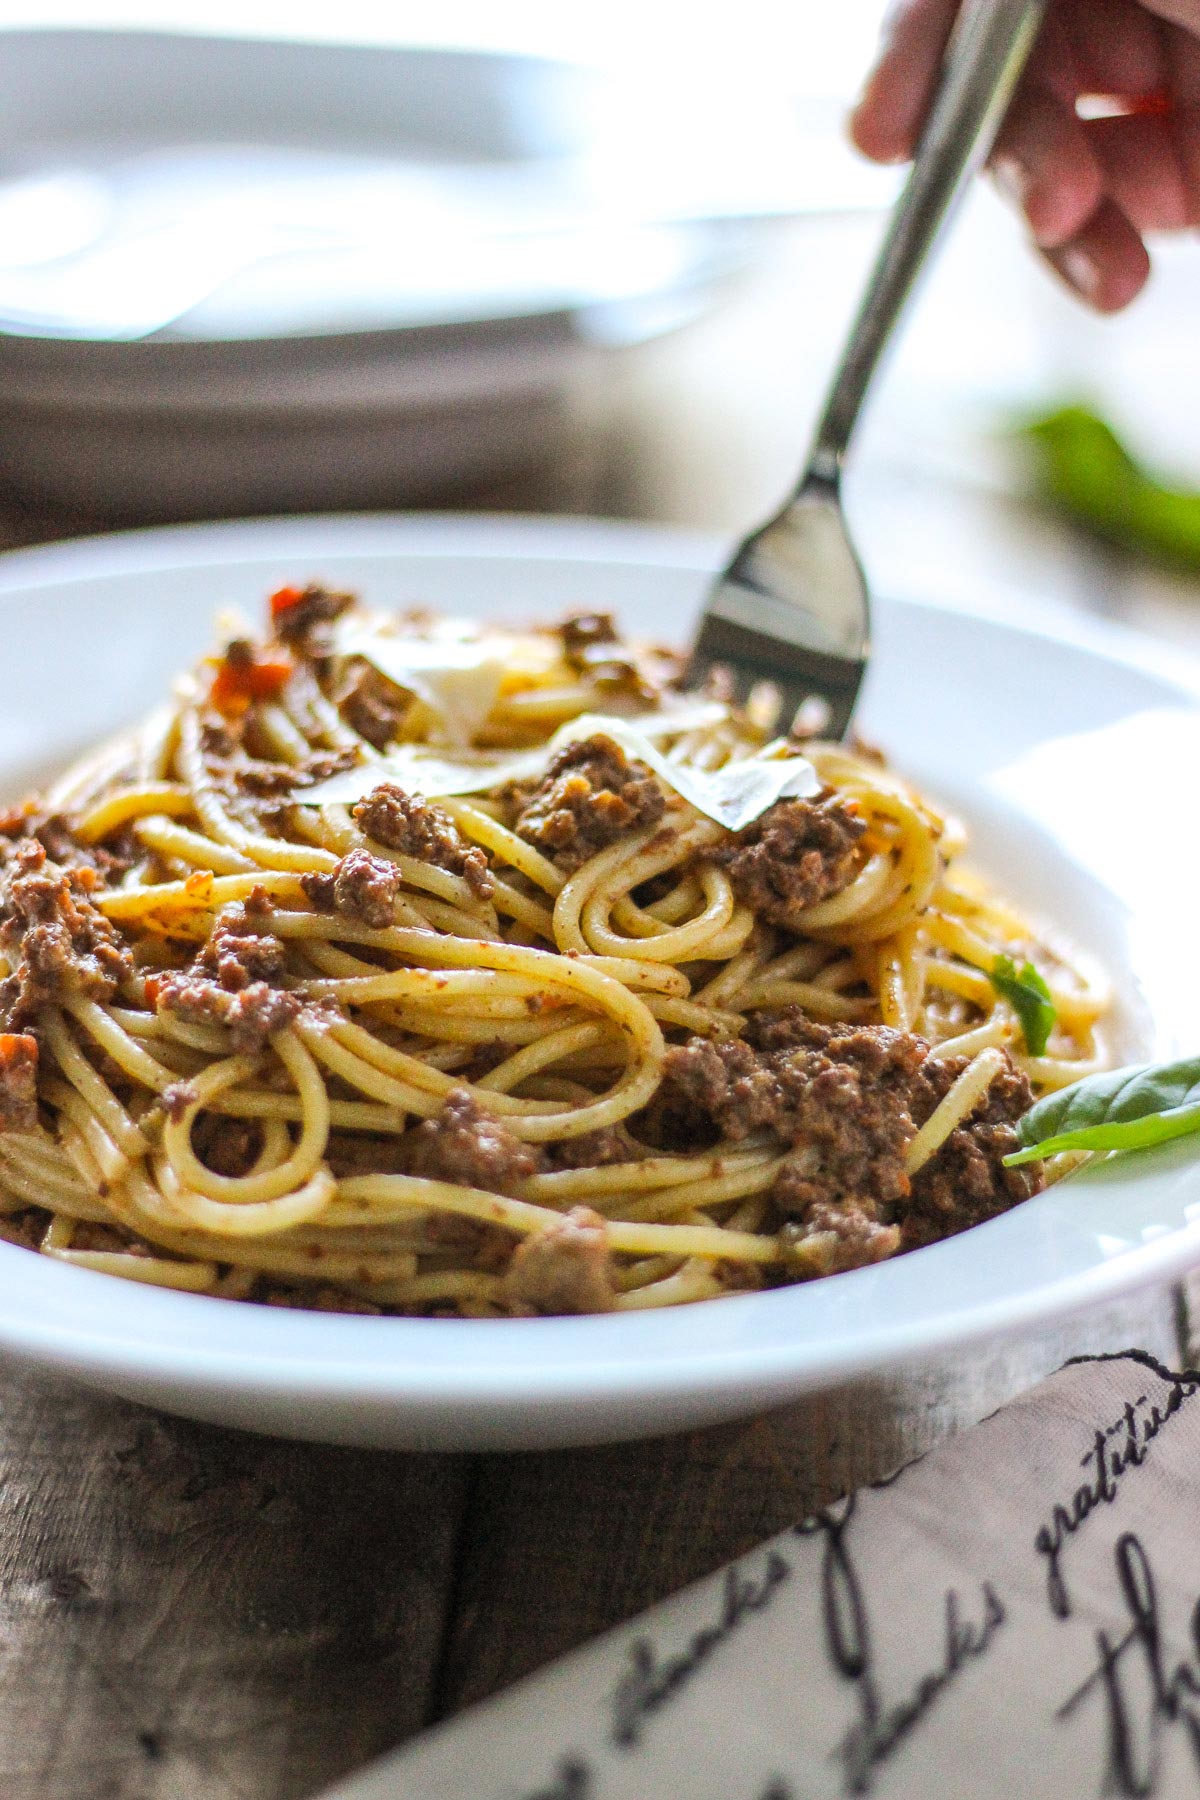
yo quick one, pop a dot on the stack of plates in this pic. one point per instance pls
(240, 275)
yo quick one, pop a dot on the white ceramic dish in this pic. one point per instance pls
(1071, 751)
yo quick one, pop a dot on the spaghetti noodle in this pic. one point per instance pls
(404, 965)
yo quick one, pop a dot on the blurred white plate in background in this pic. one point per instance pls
(198, 233)
(233, 187)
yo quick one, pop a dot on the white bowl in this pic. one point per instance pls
(1072, 752)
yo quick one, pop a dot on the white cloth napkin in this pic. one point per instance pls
(1016, 1615)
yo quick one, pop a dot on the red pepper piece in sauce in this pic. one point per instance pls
(17, 1050)
(18, 1081)
(243, 677)
(283, 600)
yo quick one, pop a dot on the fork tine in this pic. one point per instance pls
(797, 671)
(791, 609)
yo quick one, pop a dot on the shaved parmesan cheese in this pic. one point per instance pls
(425, 770)
(734, 795)
(457, 678)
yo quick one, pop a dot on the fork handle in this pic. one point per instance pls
(988, 49)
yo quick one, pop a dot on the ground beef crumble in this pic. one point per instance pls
(238, 953)
(302, 618)
(370, 704)
(798, 853)
(468, 1146)
(234, 982)
(583, 633)
(831, 1238)
(592, 647)
(413, 827)
(176, 1097)
(54, 937)
(590, 796)
(26, 1228)
(848, 1101)
(595, 1149)
(563, 1269)
(219, 737)
(362, 887)
(349, 1153)
(966, 1182)
(56, 834)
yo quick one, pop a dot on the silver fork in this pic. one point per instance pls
(790, 612)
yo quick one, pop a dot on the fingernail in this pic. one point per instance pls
(1081, 270)
(1009, 177)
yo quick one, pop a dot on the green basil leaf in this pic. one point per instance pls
(1081, 467)
(1029, 998)
(1124, 1109)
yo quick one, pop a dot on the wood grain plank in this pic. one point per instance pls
(195, 1614)
(558, 1547)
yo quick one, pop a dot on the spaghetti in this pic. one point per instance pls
(404, 965)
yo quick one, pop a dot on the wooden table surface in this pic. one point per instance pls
(188, 1613)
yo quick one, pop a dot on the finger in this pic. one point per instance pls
(1044, 161)
(1184, 13)
(1183, 120)
(1142, 170)
(1105, 263)
(1117, 46)
(888, 115)
(1182, 53)
(1053, 65)
(1184, 127)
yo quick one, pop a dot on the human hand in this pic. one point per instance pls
(1089, 187)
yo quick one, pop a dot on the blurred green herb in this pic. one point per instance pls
(1029, 998)
(1081, 467)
